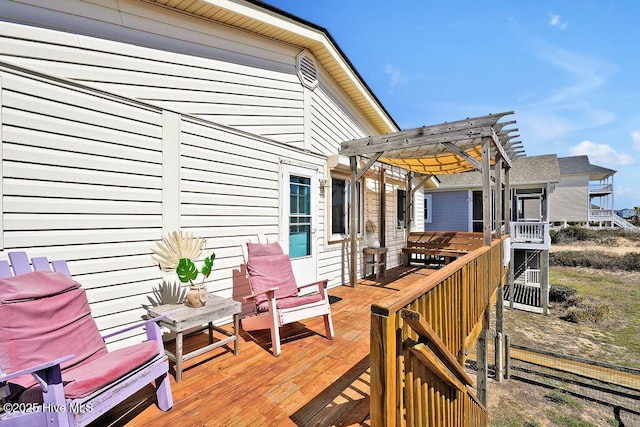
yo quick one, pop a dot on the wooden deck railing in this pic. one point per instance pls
(417, 375)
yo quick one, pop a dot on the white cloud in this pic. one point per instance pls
(397, 78)
(587, 75)
(635, 136)
(574, 103)
(602, 154)
(555, 21)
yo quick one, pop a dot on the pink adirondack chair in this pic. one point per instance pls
(276, 295)
(55, 367)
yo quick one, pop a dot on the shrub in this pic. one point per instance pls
(561, 293)
(586, 310)
(631, 261)
(572, 234)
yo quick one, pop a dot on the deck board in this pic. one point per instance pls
(313, 382)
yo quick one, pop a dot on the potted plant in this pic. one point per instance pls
(177, 253)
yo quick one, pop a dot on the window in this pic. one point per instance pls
(427, 208)
(401, 208)
(340, 212)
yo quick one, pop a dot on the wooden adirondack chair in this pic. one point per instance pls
(55, 367)
(276, 294)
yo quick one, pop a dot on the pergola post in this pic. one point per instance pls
(500, 293)
(353, 221)
(383, 208)
(486, 193)
(507, 201)
(408, 203)
(481, 350)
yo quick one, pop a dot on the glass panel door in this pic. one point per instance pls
(299, 216)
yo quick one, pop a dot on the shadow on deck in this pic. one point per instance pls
(313, 382)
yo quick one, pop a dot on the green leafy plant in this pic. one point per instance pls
(177, 252)
(188, 272)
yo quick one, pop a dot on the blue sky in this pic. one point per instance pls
(569, 70)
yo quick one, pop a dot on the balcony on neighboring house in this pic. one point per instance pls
(530, 235)
(600, 189)
(600, 214)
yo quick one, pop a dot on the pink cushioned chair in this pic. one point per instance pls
(276, 294)
(52, 355)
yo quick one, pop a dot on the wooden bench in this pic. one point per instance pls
(428, 246)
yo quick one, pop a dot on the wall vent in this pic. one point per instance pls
(307, 70)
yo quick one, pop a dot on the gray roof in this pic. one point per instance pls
(580, 165)
(534, 170)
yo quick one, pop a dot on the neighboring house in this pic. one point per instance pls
(456, 205)
(584, 195)
(123, 120)
(626, 213)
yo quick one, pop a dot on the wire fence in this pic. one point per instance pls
(552, 375)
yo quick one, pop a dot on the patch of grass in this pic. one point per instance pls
(562, 420)
(619, 334)
(562, 398)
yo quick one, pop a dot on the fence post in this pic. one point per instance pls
(507, 351)
(498, 357)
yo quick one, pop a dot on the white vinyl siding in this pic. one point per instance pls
(83, 159)
(570, 200)
(82, 179)
(202, 69)
(334, 118)
(93, 194)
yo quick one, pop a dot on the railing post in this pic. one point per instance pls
(383, 405)
(483, 359)
(544, 281)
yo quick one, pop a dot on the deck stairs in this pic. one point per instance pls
(623, 223)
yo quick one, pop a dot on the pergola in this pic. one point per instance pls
(451, 147)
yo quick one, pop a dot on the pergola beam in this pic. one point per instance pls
(498, 145)
(446, 132)
(453, 148)
(390, 144)
(421, 184)
(367, 166)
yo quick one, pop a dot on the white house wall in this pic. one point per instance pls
(169, 59)
(83, 169)
(82, 181)
(570, 200)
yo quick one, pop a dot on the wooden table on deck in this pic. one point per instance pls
(376, 258)
(185, 318)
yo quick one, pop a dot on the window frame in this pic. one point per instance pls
(339, 237)
(401, 207)
(428, 208)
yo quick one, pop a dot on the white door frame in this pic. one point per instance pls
(305, 268)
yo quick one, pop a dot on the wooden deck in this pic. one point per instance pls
(313, 382)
